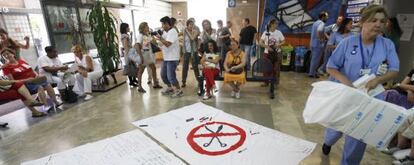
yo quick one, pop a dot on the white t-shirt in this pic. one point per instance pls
(171, 53)
(213, 56)
(44, 61)
(145, 41)
(274, 37)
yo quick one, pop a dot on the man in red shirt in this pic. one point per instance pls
(19, 70)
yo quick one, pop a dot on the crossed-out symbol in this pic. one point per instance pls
(215, 135)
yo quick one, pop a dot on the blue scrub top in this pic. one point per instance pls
(315, 42)
(347, 57)
(337, 37)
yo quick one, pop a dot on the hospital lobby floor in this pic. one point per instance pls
(111, 113)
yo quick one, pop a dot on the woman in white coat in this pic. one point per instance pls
(88, 70)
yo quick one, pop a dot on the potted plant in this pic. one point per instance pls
(102, 24)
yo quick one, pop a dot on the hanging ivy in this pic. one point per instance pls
(102, 24)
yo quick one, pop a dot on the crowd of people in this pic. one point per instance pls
(211, 52)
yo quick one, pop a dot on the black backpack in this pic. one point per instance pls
(68, 96)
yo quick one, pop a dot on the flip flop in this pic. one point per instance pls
(35, 104)
(40, 114)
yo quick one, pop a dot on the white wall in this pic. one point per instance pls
(213, 10)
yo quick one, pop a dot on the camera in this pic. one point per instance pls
(154, 33)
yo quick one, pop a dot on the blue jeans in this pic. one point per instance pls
(168, 72)
(223, 53)
(248, 54)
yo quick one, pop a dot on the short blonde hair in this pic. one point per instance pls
(369, 12)
(76, 48)
(142, 26)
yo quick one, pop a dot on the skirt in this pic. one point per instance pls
(239, 78)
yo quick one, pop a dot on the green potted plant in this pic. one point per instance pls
(102, 24)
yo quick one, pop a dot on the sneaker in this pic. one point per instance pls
(177, 94)
(167, 91)
(401, 154)
(313, 76)
(390, 151)
(326, 149)
(233, 93)
(206, 97)
(321, 72)
(238, 95)
(405, 161)
(88, 97)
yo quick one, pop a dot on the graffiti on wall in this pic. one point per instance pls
(296, 16)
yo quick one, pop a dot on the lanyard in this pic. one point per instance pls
(364, 65)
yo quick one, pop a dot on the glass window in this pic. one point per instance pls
(89, 42)
(62, 19)
(84, 20)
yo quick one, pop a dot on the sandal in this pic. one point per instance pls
(35, 104)
(38, 114)
(141, 90)
(157, 86)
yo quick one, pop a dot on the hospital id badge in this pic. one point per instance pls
(364, 72)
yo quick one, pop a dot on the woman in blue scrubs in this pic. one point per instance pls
(344, 30)
(355, 56)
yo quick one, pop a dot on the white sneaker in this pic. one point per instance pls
(233, 94)
(401, 154)
(88, 97)
(238, 95)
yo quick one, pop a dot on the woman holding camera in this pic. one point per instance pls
(271, 40)
(233, 65)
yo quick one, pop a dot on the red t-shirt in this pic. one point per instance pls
(19, 71)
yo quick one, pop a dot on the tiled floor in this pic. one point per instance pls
(111, 113)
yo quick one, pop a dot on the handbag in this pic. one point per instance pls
(155, 48)
(238, 70)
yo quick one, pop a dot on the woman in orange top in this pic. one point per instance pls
(234, 67)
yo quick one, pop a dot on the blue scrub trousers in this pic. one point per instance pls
(353, 150)
(316, 53)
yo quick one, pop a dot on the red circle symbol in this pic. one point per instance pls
(215, 134)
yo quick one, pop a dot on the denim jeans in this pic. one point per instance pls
(223, 53)
(195, 62)
(247, 49)
(168, 72)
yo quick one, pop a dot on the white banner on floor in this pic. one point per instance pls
(201, 134)
(354, 113)
(129, 148)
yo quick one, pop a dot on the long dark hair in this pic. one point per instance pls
(395, 27)
(123, 28)
(273, 21)
(214, 46)
(342, 26)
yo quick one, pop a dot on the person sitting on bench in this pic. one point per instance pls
(233, 65)
(210, 61)
(12, 90)
(51, 67)
(88, 70)
(19, 70)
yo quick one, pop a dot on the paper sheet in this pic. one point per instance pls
(362, 82)
(129, 148)
(352, 112)
(72, 68)
(201, 134)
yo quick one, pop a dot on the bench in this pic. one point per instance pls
(260, 68)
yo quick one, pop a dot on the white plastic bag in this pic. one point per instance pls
(354, 113)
